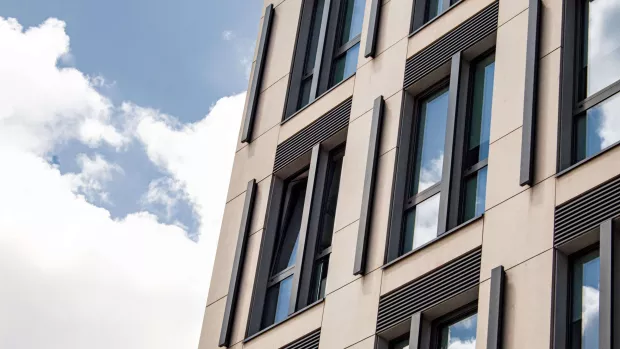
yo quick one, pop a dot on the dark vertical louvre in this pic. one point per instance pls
(359, 265)
(237, 269)
(373, 28)
(528, 137)
(309, 341)
(430, 289)
(587, 211)
(496, 309)
(606, 291)
(257, 77)
(441, 51)
(326, 126)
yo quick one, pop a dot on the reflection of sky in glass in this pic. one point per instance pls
(431, 141)
(421, 223)
(475, 195)
(346, 65)
(480, 131)
(284, 296)
(599, 128)
(585, 313)
(603, 57)
(354, 16)
(460, 335)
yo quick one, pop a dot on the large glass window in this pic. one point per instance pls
(422, 209)
(458, 333)
(584, 323)
(427, 10)
(596, 110)
(348, 42)
(477, 140)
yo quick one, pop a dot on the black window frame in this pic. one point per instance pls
(326, 54)
(419, 17)
(449, 319)
(303, 269)
(460, 96)
(571, 107)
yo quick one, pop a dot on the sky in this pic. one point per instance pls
(118, 125)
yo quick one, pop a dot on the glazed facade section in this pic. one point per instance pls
(427, 174)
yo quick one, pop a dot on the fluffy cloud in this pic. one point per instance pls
(74, 277)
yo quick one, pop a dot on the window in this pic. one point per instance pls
(591, 80)
(294, 257)
(400, 343)
(327, 49)
(456, 331)
(427, 10)
(584, 309)
(443, 156)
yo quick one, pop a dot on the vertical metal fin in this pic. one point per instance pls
(373, 29)
(496, 308)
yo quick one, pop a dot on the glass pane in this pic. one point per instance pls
(598, 128)
(319, 279)
(400, 344)
(305, 92)
(277, 302)
(433, 9)
(460, 335)
(480, 120)
(329, 209)
(475, 195)
(313, 42)
(352, 20)
(585, 307)
(601, 58)
(346, 65)
(421, 224)
(430, 143)
(286, 248)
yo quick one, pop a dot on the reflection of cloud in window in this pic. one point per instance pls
(456, 343)
(589, 317)
(427, 214)
(431, 172)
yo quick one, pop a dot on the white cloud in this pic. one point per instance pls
(166, 192)
(73, 277)
(228, 35)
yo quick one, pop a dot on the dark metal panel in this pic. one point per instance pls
(462, 37)
(325, 44)
(309, 341)
(321, 129)
(530, 100)
(257, 78)
(453, 102)
(415, 332)
(587, 211)
(359, 265)
(237, 269)
(560, 301)
(264, 258)
(496, 309)
(606, 285)
(373, 28)
(430, 289)
(567, 83)
(399, 184)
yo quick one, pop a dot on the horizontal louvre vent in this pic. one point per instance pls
(462, 37)
(309, 341)
(587, 211)
(318, 131)
(433, 288)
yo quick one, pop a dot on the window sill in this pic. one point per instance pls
(286, 119)
(267, 329)
(586, 160)
(449, 232)
(415, 31)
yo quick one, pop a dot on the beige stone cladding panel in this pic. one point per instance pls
(368, 343)
(507, 113)
(391, 122)
(254, 161)
(316, 109)
(484, 294)
(212, 324)
(510, 9)
(433, 256)
(351, 312)
(381, 76)
(519, 228)
(503, 170)
(589, 175)
(342, 257)
(551, 26)
(289, 330)
(444, 24)
(394, 24)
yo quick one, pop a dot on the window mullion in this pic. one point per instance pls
(597, 98)
(453, 99)
(606, 284)
(318, 62)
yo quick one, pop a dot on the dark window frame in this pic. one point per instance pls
(309, 233)
(326, 54)
(419, 17)
(449, 319)
(460, 95)
(571, 107)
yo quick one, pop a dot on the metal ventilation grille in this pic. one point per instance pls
(460, 38)
(309, 341)
(428, 290)
(587, 211)
(318, 131)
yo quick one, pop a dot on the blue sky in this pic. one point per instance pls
(119, 120)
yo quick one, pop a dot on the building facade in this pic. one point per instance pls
(429, 174)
